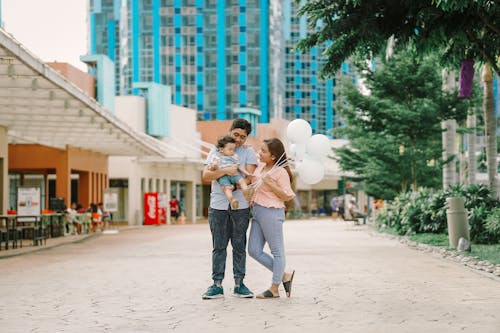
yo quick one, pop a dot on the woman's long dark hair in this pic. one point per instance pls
(277, 150)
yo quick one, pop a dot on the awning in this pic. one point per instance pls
(39, 105)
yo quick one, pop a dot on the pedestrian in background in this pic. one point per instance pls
(333, 205)
(273, 179)
(174, 208)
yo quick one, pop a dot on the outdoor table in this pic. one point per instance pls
(34, 224)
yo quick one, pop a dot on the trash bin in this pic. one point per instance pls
(458, 225)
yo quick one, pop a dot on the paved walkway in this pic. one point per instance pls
(150, 279)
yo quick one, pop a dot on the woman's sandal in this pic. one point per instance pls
(267, 294)
(288, 285)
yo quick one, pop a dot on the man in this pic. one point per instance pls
(227, 223)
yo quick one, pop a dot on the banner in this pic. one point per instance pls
(110, 200)
(28, 201)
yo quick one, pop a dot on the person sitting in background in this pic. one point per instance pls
(80, 209)
(355, 212)
(72, 219)
(96, 217)
(105, 216)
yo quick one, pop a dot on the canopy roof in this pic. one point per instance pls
(39, 105)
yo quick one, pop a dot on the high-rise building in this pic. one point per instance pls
(217, 56)
(306, 95)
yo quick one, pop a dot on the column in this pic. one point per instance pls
(190, 202)
(167, 191)
(84, 189)
(4, 170)
(63, 182)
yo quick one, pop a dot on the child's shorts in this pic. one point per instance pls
(229, 180)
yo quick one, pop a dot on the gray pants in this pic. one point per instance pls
(267, 226)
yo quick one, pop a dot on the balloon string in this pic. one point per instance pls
(278, 164)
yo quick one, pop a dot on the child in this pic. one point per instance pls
(225, 157)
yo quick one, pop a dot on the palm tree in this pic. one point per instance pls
(490, 132)
(471, 144)
(449, 128)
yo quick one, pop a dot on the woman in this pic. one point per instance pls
(272, 179)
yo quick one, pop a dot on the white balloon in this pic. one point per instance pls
(297, 151)
(318, 146)
(298, 131)
(311, 171)
(293, 150)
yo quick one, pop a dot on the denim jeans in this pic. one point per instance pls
(228, 225)
(267, 226)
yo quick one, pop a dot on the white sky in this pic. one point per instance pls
(53, 30)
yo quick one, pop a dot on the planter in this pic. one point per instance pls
(458, 225)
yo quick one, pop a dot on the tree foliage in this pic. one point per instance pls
(458, 28)
(395, 133)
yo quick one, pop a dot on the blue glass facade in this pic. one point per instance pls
(104, 23)
(306, 95)
(216, 55)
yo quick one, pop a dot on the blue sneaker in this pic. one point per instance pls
(213, 292)
(242, 291)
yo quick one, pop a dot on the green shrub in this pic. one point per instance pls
(493, 224)
(396, 213)
(382, 218)
(480, 203)
(417, 215)
(479, 195)
(425, 212)
(477, 220)
(438, 210)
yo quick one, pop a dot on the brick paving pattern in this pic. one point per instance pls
(150, 279)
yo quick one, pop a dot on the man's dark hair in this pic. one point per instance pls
(243, 124)
(224, 140)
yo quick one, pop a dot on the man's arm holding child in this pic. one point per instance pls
(210, 175)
